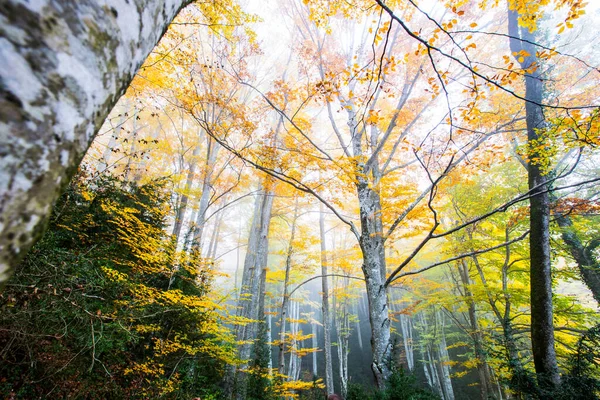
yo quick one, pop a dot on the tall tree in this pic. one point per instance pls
(542, 327)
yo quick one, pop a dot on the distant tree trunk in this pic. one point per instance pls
(57, 85)
(542, 328)
(325, 305)
(315, 344)
(295, 345)
(504, 317)
(475, 333)
(429, 361)
(269, 340)
(284, 298)
(357, 327)
(435, 355)
(251, 296)
(444, 357)
(214, 237)
(182, 206)
(212, 150)
(407, 339)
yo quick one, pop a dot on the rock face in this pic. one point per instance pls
(63, 65)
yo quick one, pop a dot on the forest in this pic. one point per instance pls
(296, 199)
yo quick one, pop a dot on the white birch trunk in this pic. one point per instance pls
(63, 66)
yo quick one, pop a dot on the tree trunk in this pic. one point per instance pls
(407, 339)
(325, 306)
(444, 357)
(374, 270)
(315, 344)
(215, 236)
(251, 296)
(542, 328)
(211, 157)
(357, 327)
(182, 207)
(475, 332)
(284, 297)
(63, 66)
(343, 332)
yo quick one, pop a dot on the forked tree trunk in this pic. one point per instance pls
(63, 66)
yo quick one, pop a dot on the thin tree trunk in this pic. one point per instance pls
(269, 341)
(315, 344)
(357, 327)
(214, 238)
(343, 331)
(407, 339)
(212, 150)
(325, 305)
(444, 357)
(475, 333)
(284, 297)
(182, 207)
(504, 317)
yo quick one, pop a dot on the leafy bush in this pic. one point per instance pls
(103, 306)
